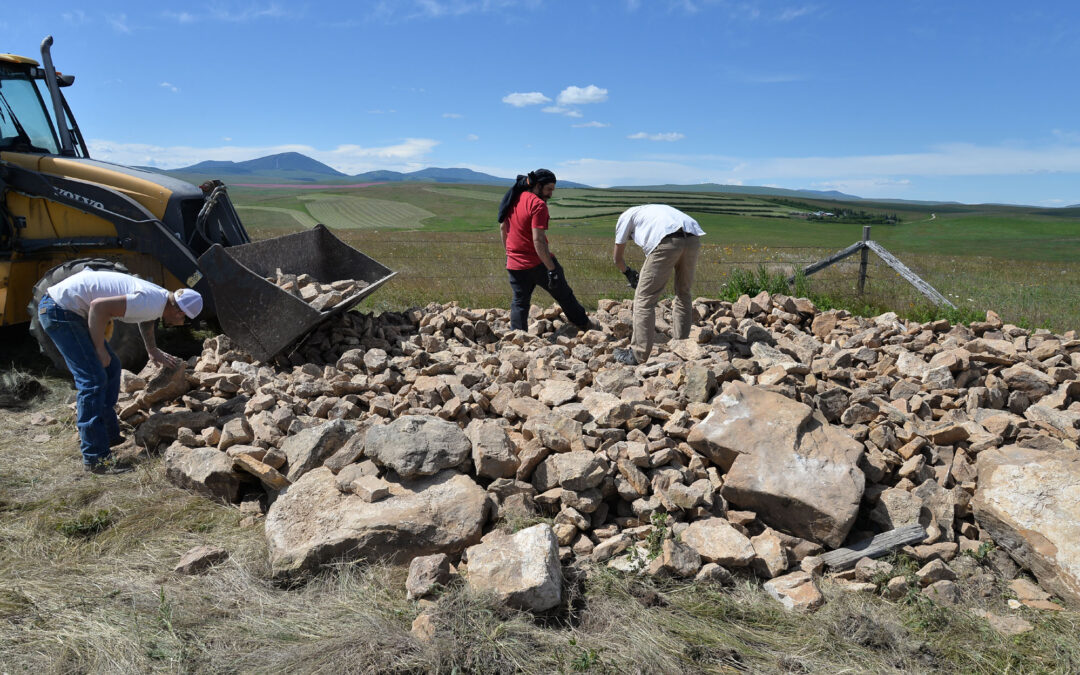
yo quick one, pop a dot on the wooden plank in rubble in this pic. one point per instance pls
(879, 545)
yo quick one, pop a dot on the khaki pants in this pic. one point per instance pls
(679, 254)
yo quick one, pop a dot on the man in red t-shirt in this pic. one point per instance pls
(523, 217)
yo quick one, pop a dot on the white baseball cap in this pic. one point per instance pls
(189, 302)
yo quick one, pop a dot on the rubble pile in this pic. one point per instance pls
(774, 434)
(322, 297)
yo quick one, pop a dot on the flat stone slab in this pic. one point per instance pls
(314, 523)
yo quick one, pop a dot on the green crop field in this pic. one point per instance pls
(349, 211)
(1022, 262)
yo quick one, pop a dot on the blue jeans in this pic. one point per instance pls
(98, 387)
(523, 282)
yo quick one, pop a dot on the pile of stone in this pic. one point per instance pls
(774, 434)
(320, 296)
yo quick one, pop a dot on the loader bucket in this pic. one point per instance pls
(265, 320)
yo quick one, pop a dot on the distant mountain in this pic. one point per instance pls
(271, 166)
(293, 166)
(746, 190)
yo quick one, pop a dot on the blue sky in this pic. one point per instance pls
(966, 101)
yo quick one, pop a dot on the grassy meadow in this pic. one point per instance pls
(1021, 262)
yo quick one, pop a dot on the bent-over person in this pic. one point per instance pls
(671, 242)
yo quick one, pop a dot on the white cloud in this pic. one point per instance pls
(668, 137)
(409, 155)
(559, 110)
(391, 10)
(118, 22)
(472, 137)
(582, 95)
(954, 159)
(520, 100)
(180, 17)
(227, 139)
(75, 16)
(221, 12)
(451, 116)
(866, 187)
(795, 12)
(1066, 136)
(591, 125)
(171, 87)
(608, 173)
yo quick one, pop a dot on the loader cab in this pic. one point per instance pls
(26, 121)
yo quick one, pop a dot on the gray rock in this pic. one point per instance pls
(200, 559)
(313, 523)
(311, 447)
(207, 471)
(492, 452)
(417, 445)
(427, 574)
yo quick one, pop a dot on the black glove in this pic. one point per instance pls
(554, 278)
(631, 276)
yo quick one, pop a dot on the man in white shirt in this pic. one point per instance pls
(671, 241)
(75, 313)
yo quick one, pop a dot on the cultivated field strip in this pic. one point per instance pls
(272, 216)
(350, 212)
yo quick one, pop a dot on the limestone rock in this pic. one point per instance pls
(522, 569)
(717, 541)
(1029, 502)
(417, 445)
(200, 559)
(203, 470)
(313, 523)
(492, 452)
(796, 591)
(311, 447)
(800, 476)
(426, 574)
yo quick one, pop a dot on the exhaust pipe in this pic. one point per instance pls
(67, 148)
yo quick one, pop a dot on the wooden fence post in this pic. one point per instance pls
(863, 258)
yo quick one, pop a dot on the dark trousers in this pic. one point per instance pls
(524, 281)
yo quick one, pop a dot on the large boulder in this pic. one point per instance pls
(745, 419)
(522, 569)
(417, 445)
(800, 474)
(1028, 500)
(314, 522)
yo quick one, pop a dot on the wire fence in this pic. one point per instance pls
(470, 268)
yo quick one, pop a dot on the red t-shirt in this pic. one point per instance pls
(529, 213)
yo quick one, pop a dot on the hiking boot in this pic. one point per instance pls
(109, 467)
(626, 357)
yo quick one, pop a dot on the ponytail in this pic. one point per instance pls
(521, 184)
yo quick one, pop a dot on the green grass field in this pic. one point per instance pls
(1022, 262)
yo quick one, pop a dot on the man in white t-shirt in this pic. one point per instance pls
(75, 313)
(671, 241)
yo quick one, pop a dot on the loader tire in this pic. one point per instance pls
(126, 342)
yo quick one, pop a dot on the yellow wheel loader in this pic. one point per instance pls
(61, 211)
